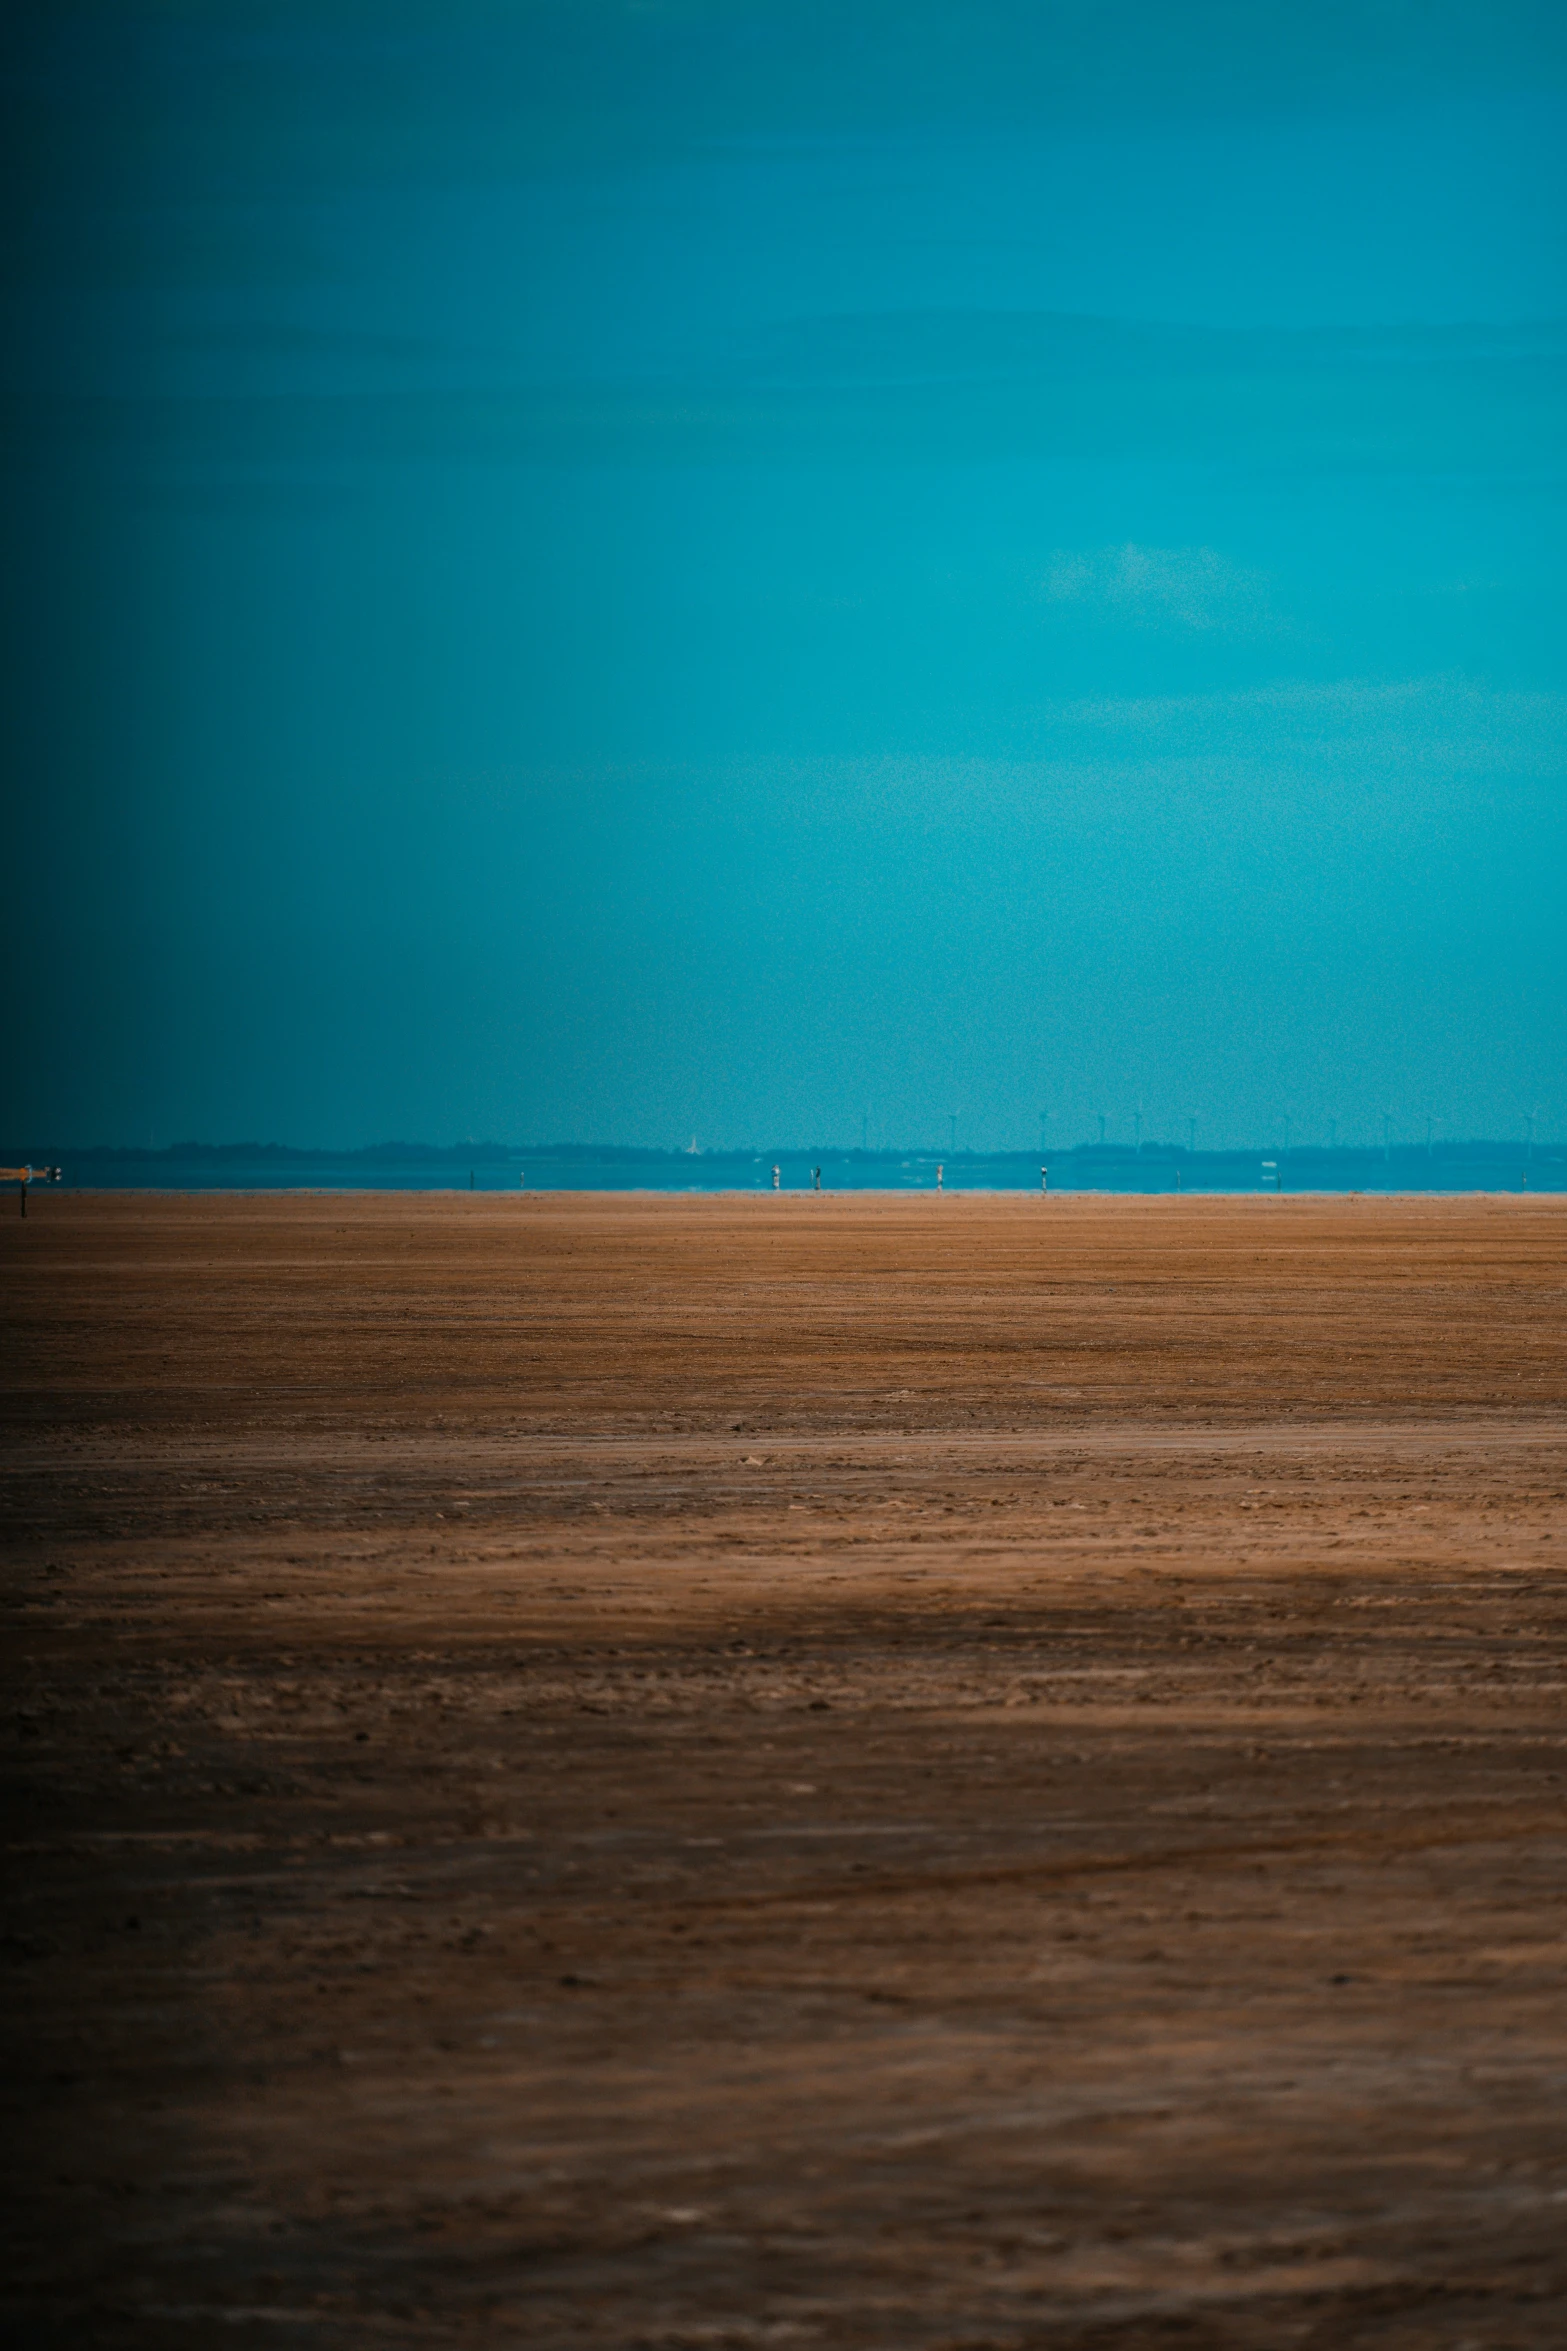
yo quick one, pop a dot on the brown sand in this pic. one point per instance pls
(621, 1772)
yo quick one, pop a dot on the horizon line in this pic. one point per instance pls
(487, 1150)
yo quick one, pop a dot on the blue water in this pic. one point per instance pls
(1484, 1168)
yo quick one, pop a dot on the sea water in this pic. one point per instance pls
(1480, 1167)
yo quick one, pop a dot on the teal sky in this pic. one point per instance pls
(617, 571)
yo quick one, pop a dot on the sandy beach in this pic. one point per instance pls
(616, 1771)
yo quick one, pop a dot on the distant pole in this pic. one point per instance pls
(25, 1177)
(777, 1175)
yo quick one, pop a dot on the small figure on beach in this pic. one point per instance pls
(1044, 1179)
(777, 1173)
(816, 1179)
(938, 1175)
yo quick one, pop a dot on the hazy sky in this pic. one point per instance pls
(634, 568)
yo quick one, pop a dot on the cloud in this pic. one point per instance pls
(1161, 587)
(1447, 724)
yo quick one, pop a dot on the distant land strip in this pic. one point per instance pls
(1479, 1152)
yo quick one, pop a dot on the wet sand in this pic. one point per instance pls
(617, 1772)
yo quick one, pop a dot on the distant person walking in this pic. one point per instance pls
(816, 1179)
(776, 1177)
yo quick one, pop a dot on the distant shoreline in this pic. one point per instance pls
(1544, 1180)
(1076, 1159)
